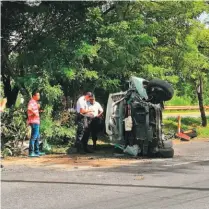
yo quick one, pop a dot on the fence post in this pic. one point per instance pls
(179, 124)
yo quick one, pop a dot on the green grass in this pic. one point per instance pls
(176, 101)
(203, 132)
(182, 111)
(58, 149)
(187, 123)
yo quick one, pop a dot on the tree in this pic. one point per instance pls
(34, 40)
(196, 63)
(94, 46)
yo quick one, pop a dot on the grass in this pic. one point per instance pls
(187, 123)
(58, 149)
(203, 132)
(177, 100)
(183, 111)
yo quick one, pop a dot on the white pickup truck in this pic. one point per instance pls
(134, 117)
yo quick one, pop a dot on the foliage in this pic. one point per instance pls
(47, 125)
(13, 129)
(106, 43)
(178, 101)
(66, 48)
(203, 132)
(1, 90)
(57, 130)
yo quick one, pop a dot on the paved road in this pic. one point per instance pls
(178, 183)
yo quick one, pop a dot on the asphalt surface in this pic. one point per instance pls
(178, 183)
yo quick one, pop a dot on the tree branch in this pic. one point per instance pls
(108, 10)
(9, 69)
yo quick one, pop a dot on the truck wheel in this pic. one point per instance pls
(166, 153)
(156, 84)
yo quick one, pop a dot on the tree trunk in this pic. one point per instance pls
(9, 92)
(200, 100)
(7, 74)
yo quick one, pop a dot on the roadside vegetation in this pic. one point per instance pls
(65, 48)
(187, 123)
(181, 101)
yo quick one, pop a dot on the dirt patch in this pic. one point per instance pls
(101, 159)
(66, 161)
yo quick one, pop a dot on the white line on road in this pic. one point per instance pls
(186, 163)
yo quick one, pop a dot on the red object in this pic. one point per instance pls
(179, 134)
(183, 136)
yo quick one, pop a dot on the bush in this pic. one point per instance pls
(13, 129)
(57, 125)
(59, 130)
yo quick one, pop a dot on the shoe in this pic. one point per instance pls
(82, 152)
(87, 150)
(33, 155)
(40, 153)
(80, 148)
(94, 147)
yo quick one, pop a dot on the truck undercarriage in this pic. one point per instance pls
(134, 117)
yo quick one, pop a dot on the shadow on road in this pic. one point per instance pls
(109, 185)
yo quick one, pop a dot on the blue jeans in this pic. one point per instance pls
(34, 140)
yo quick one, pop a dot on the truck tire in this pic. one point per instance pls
(160, 84)
(166, 153)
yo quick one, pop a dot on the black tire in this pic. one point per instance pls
(166, 89)
(166, 153)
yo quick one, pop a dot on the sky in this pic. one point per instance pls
(204, 17)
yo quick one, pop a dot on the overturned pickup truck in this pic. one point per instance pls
(134, 117)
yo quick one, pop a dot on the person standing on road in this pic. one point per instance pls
(96, 121)
(34, 121)
(83, 113)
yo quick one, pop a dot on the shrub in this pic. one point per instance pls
(13, 129)
(59, 130)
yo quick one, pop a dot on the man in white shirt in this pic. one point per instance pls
(82, 123)
(95, 106)
(94, 126)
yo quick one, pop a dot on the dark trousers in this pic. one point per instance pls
(82, 127)
(34, 140)
(93, 129)
(86, 136)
